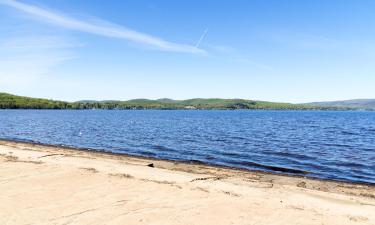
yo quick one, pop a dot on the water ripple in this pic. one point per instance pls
(332, 145)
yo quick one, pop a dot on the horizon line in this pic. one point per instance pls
(205, 98)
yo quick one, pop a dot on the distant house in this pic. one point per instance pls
(190, 107)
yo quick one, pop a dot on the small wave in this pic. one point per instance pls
(210, 157)
(368, 129)
(146, 153)
(21, 140)
(162, 148)
(290, 155)
(348, 133)
(350, 164)
(336, 145)
(232, 154)
(239, 138)
(272, 168)
(195, 161)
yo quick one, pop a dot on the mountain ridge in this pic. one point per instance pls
(368, 104)
(10, 101)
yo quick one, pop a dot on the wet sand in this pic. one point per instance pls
(53, 185)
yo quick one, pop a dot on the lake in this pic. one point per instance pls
(338, 145)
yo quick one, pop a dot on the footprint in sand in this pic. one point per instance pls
(358, 218)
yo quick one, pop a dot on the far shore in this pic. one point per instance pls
(42, 184)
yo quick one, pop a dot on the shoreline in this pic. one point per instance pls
(208, 109)
(300, 174)
(93, 187)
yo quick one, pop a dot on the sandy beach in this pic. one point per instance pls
(52, 185)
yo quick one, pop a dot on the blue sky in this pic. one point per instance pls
(276, 50)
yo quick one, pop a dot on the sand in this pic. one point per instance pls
(52, 185)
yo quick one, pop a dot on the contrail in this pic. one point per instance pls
(201, 39)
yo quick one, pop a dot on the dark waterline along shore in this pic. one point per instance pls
(274, 171)
(118, 189)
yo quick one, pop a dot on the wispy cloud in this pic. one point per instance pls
(40, 42)
(232, 54)
(223, 49)
(304, 41)
(251, 62)
(103, 29)
(318, 42)
(25, 59)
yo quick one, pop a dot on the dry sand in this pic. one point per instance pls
(52, 185)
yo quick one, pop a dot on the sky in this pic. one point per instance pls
(275, 50)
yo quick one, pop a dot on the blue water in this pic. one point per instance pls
(336, 145)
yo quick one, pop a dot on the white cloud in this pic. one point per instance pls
(104, 29)
(41, 42)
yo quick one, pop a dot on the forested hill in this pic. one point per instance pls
(367, 104)
(8, 101)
